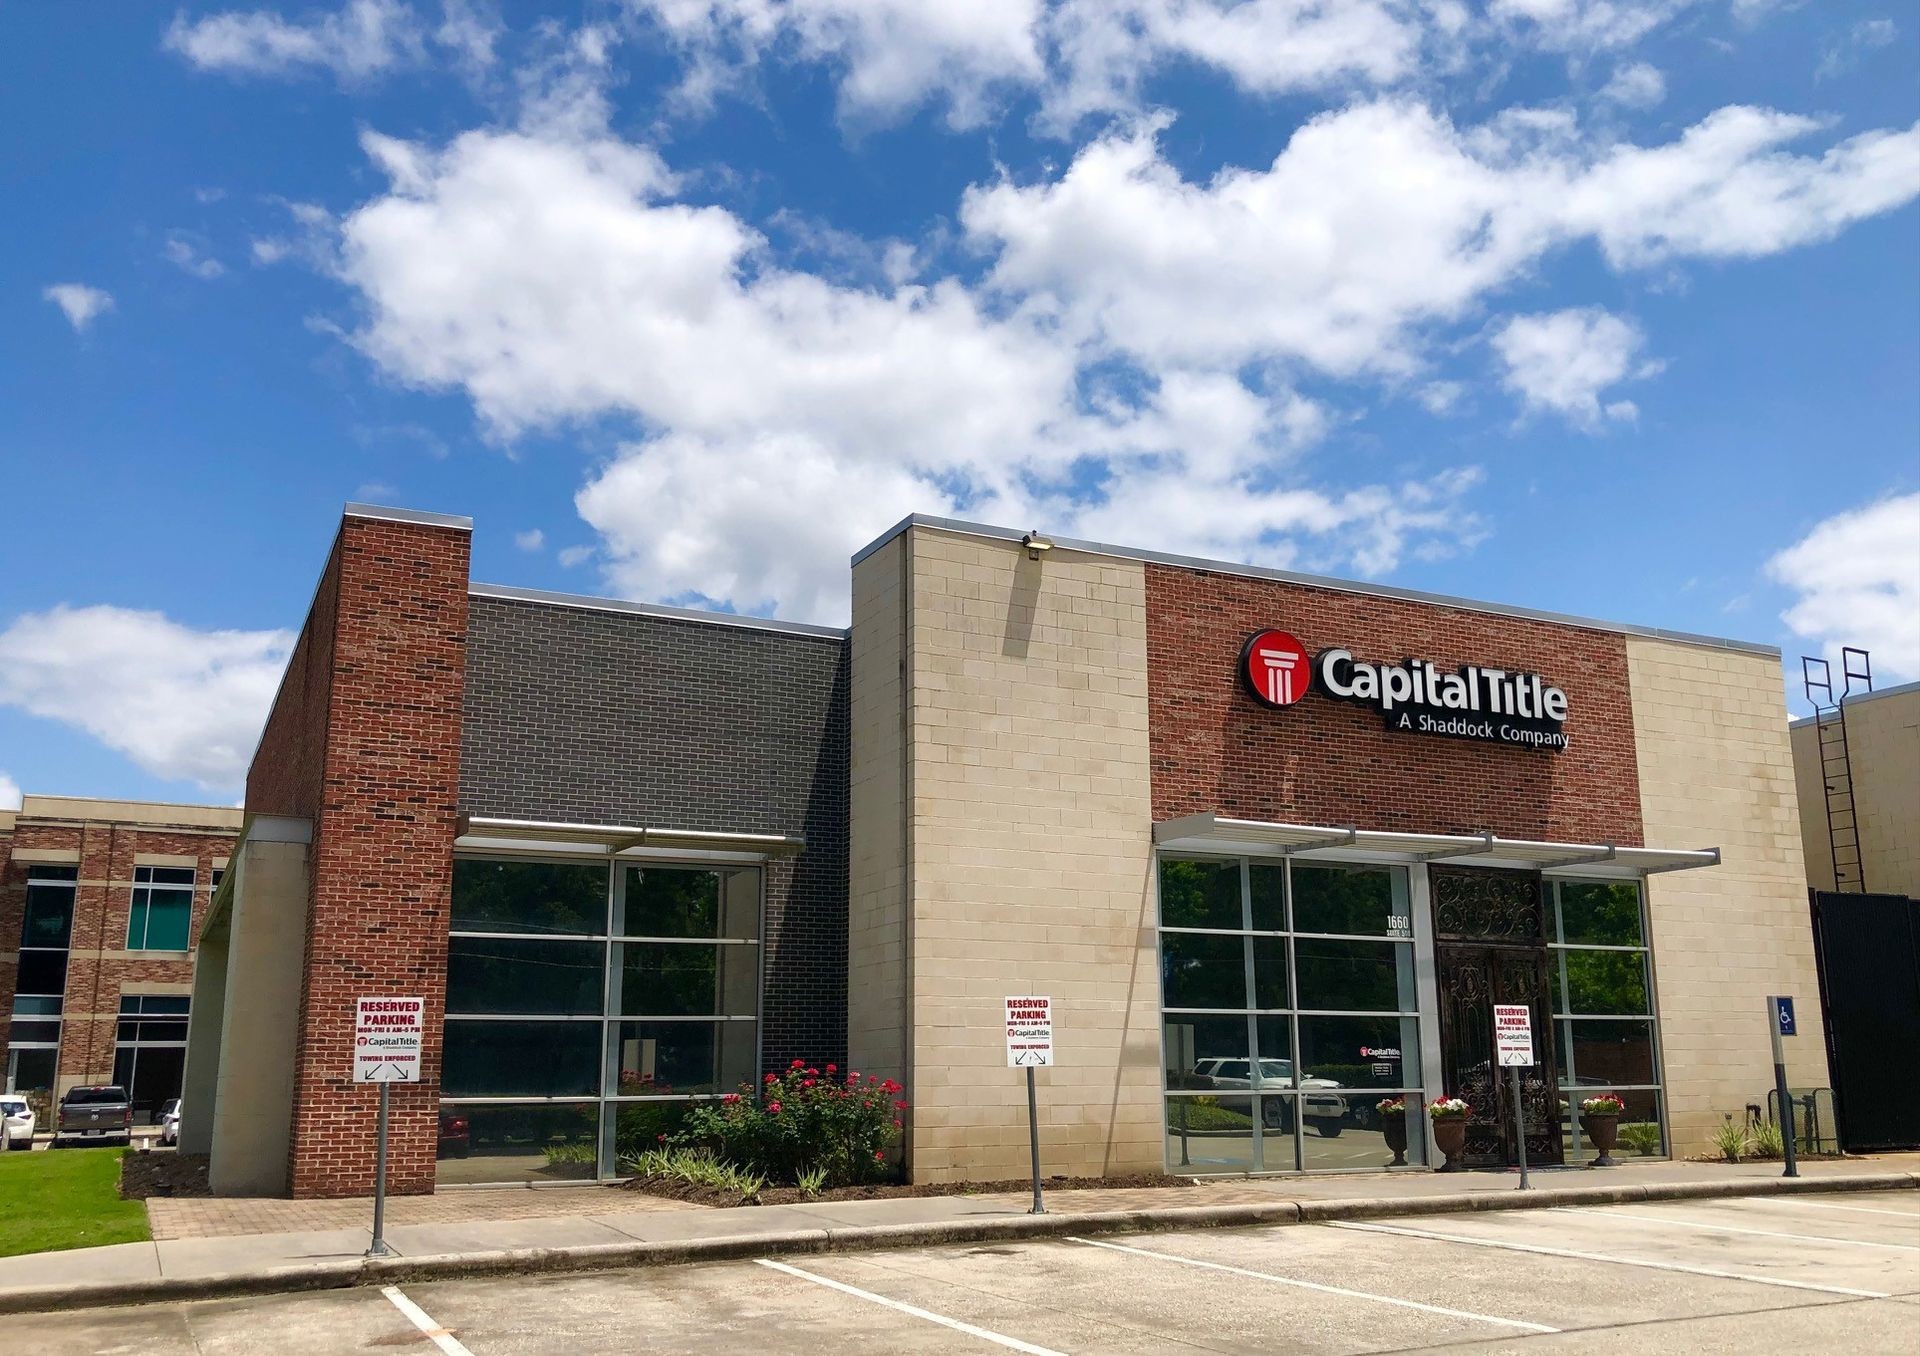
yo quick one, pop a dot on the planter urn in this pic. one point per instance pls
(1604, 1131)
(1395, 1128)
(1450, 1136)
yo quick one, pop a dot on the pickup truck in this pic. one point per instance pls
(93, 1115)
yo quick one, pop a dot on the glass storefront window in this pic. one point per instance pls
(1605, 1030)
(1200, 895)
(649, 977)
(660, 1059)
(540, 1143)
(1202, 970)
(521, 1059)
(535, 976)
(1367, 901)
(1600, 913)
(1338, 975)
(543, 897)
(1323, 1013)
(1376, 1053)
(1607, 983)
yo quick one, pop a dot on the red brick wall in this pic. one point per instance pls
(13, 912)
(1323, 761)
(96, 977)
(285, 775)
(382, 865)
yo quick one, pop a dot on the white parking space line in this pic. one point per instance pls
(422, 1320)
(1580, 1256)
(914, 1310)
(1851, 1209)
(1679, 1223)
(1314, 1285)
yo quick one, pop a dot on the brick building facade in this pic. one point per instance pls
(632, 856)
(101, 905)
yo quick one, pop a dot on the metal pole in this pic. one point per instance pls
(1780, 1089)
(1520, 1128)
(1033, 1136)
(380, 1248)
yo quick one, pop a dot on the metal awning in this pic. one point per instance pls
(610, 840)
(1210, 832)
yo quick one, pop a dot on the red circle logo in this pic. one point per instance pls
(1275, 666)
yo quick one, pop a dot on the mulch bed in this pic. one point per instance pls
(163, 1174)
(783, 1195)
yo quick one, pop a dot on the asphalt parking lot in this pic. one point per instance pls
(1800, 1274)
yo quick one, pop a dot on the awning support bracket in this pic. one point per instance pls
(1484, 845)
(1343, 838)
(1681, 866)
(1605, 854)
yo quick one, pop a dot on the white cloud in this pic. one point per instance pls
(892, 54)
(570, 556)
(1381, 218)
(1585, 25)
(531, 540)
(9, 793)
(1139, 341)
(181, 254)
(79, 303)
(181, 703)
(1868, 35)
(1079, 56)
(1638, 85)
(1857, 575)
(365, 39)
(1564, 361)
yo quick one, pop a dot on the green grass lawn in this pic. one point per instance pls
(66, 1198)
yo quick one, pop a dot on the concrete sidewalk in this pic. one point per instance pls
(631, 1229)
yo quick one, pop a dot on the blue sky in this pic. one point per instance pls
(1603, 306)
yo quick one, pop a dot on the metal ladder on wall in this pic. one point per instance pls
(1836, 762)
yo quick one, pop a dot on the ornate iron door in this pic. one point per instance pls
(1491, 948)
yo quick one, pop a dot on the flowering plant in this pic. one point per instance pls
(1391, 1106)
(801, 1121)
(1606, 1104)
(1448, 1108)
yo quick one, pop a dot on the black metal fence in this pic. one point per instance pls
(1868, 949)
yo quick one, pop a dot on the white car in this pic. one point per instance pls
(169, 1121)
(1325, 1111)
(16, 1123)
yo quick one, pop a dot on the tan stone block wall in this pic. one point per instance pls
(1810, 788)
(1030, 856)
(1883, 746)
(1716, 770)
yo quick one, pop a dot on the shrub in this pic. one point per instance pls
(566, 1154)
(811, 1181)
(1643, 1137)
(698, 1167)
(802, 1119)
(1766, 1141)
(1731, 1141)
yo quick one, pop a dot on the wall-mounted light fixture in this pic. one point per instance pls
(1035, 544)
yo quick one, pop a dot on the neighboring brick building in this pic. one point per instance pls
(101, 903)
(1273, 844)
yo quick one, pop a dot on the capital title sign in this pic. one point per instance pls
(1474, 701)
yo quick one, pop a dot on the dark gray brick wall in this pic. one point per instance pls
(618, 718)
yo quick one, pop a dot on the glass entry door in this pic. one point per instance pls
(1491, 947)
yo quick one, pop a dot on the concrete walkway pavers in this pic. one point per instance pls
(642, 1230)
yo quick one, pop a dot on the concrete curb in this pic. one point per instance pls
(336, 1275)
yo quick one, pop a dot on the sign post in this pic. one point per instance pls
(1030, 1047)
(1513, 1044)
(386, 1050)
(1781, 1020)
